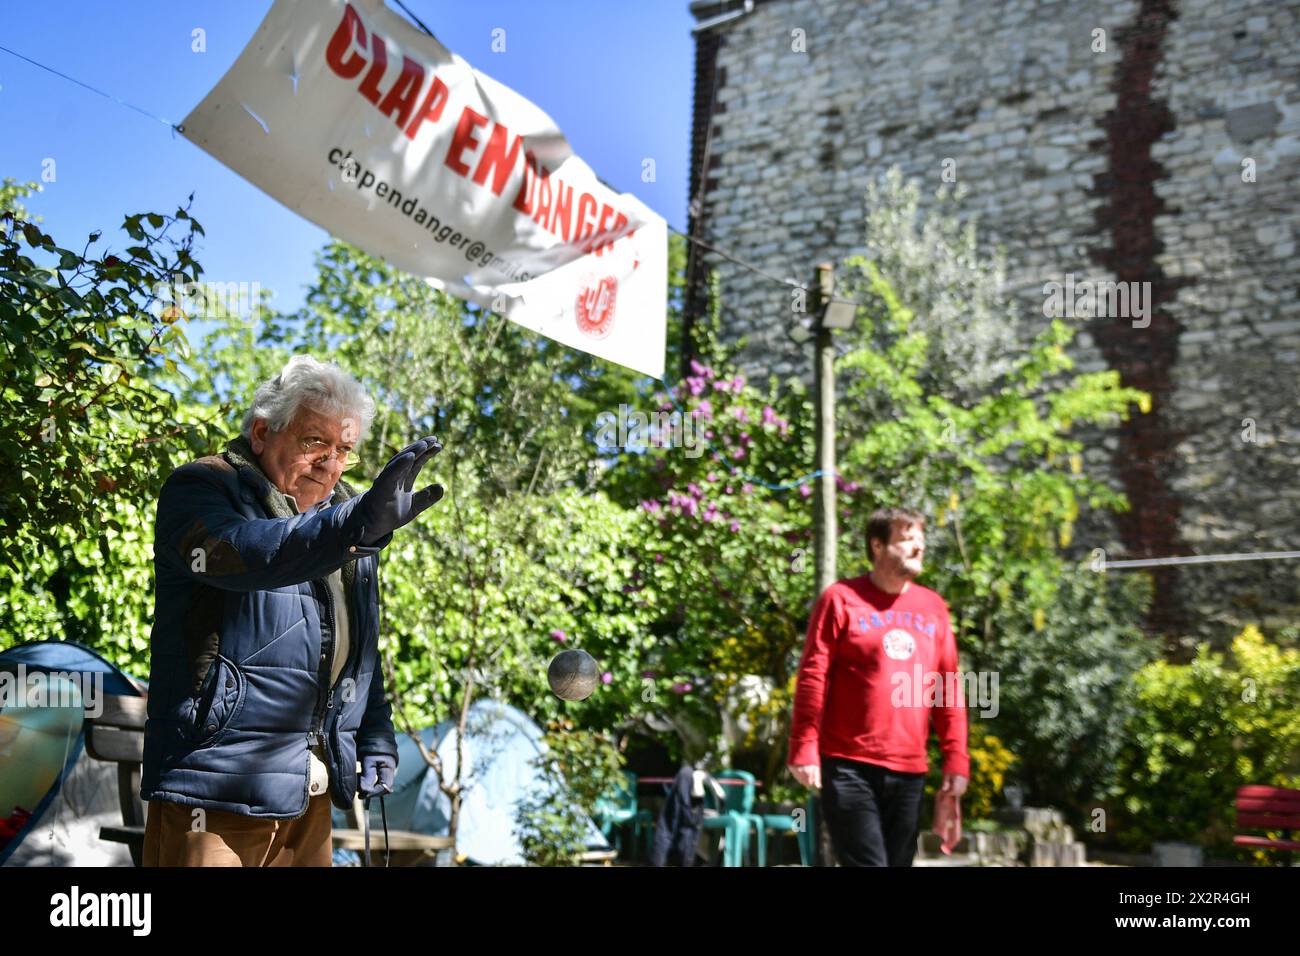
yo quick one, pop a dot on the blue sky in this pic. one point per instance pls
(616, 78)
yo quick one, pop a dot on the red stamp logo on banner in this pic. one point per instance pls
(595, 306)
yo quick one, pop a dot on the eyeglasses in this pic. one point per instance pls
(316, 451)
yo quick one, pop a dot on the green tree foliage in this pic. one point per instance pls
(576, 769)
(90, 434)
(1066, 688)
(11, 191)
(935, 264)
(735, 552)
(1001, 476)
(1200, 731)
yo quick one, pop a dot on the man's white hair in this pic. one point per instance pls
(323, 388)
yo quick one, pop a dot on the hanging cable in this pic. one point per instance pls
(419, 22)
(121, 102)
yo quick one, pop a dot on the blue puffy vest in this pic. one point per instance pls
(242, 642)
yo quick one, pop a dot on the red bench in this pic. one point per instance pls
(1268, 808)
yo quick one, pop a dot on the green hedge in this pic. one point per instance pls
(1200, 731)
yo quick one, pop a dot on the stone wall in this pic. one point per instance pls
(1169, 157)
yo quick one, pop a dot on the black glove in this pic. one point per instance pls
(390, 504)
(377, 774)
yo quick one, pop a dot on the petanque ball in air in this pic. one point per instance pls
(573, 675)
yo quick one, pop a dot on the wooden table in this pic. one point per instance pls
(404, 848)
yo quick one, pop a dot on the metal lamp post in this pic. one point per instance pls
(828, 315)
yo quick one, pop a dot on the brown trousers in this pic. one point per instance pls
(177, 835)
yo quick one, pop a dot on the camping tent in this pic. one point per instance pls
(53, 797)
(500, 742)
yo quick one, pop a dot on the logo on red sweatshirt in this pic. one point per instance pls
(899, 645)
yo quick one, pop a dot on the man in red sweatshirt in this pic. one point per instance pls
(860, 724)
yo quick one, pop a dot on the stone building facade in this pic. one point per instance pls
(1137, 141)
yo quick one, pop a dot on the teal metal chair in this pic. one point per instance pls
(736, 817)
(783, 823)
(620, 809)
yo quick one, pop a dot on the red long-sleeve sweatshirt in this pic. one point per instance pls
(875, 667)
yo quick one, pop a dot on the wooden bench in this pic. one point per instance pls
(405, 847)
(117, 736)
(1268, 808)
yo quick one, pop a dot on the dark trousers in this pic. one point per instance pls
(872, 813)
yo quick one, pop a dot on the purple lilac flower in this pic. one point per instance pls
(702, 370)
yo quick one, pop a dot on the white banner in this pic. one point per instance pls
(370, 128)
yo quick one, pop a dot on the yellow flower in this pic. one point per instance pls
(1040, 619)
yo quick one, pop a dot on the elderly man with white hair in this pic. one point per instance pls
(266, 692)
